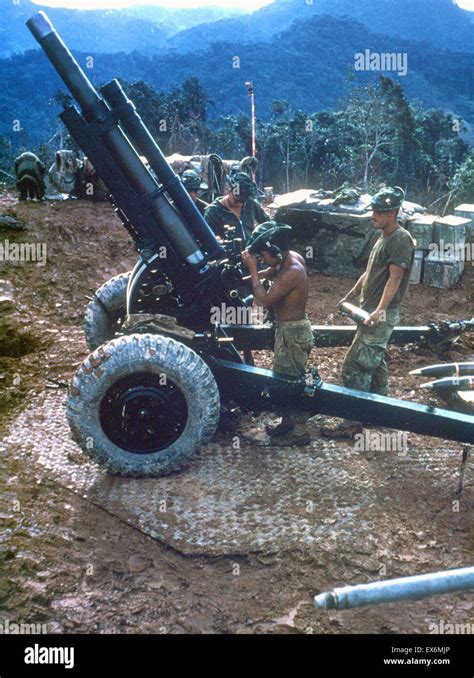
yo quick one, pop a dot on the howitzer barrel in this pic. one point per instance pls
(147, 146)
(393, 590)
(96, 110)
(77, 82)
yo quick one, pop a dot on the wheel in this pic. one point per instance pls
(106, 312)
(142, 405)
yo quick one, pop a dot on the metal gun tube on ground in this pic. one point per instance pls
(147, 146)
(393, 590)
(95, 109)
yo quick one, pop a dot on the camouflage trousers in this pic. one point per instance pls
(365, 366)
(293, 343)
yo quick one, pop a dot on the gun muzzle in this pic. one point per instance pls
(96, 110)
(67, 67)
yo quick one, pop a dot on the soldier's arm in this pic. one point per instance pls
(264, 274)
(259, 213)
(280, 288)
(355, 290)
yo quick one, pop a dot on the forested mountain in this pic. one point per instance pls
(150, 29)
(174, 20)
(438, 22)
(311, 65)
(141, 28)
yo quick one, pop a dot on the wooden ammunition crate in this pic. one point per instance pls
(450, 230)
(466, 211)
(421, 230)
(442, 272)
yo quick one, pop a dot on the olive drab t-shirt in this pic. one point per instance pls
(397, 248)
(217, 216)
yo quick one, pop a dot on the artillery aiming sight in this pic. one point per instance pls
(142, 403)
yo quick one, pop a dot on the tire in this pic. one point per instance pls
(106, 312)
(151, 377)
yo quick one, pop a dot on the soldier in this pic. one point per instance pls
(249, 165)
(288, 295)
(382, 289)
(193, 184)
(29, 171)
(88, 183)
(238, 208)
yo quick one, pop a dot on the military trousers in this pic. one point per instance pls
(365, 366)
(293, 343)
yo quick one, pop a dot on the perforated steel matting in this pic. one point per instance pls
(230, 500)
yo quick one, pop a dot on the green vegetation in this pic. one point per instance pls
(376, 136)
(320, 122)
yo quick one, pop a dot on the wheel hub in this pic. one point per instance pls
(144, 413)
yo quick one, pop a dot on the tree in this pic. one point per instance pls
(405, 144)
(369, 130)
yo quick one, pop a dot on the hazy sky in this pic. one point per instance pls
(112, 4)
(243, 4)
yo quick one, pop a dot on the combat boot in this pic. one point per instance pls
(281, 429)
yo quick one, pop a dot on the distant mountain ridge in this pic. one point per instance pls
(306, 65)
(152, 30)
(438, 22)
(142, 29)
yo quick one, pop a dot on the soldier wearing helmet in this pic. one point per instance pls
(382, 289)
(287, 296)
(193, 184)
(238, 208)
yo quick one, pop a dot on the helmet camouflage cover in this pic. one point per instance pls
(263, 236)
(192, 181)
(388, 199)
(243, 186)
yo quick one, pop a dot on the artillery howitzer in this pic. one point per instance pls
(143, 403)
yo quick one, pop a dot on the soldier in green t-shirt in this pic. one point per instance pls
(382, 289)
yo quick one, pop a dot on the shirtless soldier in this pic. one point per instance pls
(287, 296)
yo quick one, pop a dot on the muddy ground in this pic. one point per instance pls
(77, 562)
